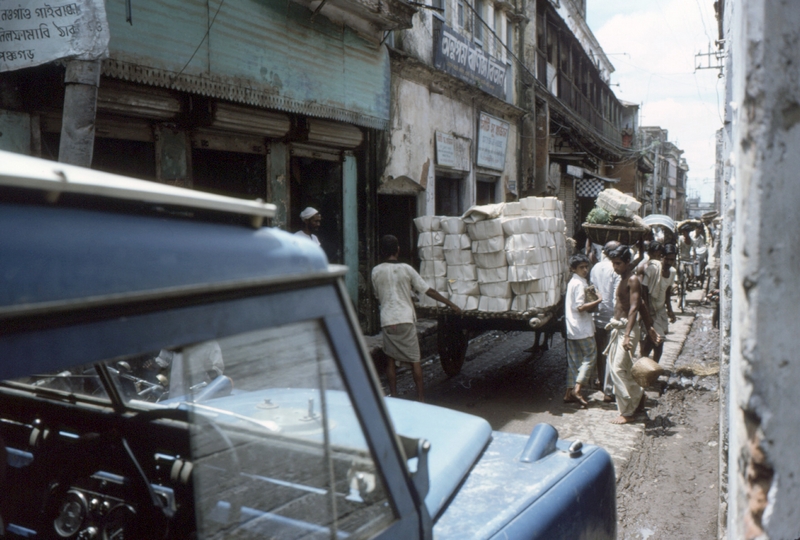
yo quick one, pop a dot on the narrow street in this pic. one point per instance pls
(666, 463)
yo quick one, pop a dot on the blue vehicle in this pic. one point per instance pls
(172, 369)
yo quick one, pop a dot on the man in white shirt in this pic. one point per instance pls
(312, 220)
(605, 281)
(393, 282)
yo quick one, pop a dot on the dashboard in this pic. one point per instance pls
(90, 473)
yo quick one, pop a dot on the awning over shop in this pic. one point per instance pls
(602, 178)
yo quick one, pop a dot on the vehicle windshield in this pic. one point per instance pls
(277, 449)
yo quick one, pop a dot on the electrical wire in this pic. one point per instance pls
(205, 36)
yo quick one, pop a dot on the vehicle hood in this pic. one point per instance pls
(457, 440)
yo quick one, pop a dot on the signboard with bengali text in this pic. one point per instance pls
(34, 32)
(492, 142)
(461, 57)
(452, 152)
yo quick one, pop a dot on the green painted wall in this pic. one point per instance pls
(278, 188)
(350, 203)
(269, 51)
(15, 132)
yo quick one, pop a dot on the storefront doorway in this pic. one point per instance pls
(235, 174)
(396, 215)
(318, 183)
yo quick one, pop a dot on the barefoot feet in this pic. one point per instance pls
(622, 420)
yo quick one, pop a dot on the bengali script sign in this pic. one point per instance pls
(459, 56)
(452, 151)
(34, 32)
(492, 142)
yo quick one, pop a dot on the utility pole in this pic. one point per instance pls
(80, 107)
(656, 167)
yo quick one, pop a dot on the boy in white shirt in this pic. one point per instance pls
(581, 347)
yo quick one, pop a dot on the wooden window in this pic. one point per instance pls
(480, 13)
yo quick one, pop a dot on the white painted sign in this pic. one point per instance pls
(452, 152)
(492, 142)
(34, 32)
(577, 172)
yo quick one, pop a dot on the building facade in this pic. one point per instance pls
(454, 135)
(284, 101)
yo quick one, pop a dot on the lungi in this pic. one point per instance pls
(400, 342)
(620, 362)
(581, 360)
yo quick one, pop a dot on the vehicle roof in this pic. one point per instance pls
(58, 255)
(53, 178)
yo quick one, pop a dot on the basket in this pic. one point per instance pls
(600, 234)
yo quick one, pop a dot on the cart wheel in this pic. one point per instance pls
(453, 342)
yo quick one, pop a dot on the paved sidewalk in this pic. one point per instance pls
(594, 425)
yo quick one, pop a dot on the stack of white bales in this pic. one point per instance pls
(488, 250)
(433, 267)
(536, 252)
(461, 271)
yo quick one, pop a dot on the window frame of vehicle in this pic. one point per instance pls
(120, 329)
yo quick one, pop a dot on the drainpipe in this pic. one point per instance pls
(80, 107)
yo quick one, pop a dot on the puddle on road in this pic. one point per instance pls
(646, 533)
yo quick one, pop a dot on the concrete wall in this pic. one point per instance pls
(417, 114)
(764, 462)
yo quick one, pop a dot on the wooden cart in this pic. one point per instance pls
(455, 330)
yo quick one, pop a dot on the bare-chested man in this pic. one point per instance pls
(624, 335)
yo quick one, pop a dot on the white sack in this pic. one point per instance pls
(527, 273)
(427, 223)
(519, 242)
(437, 283)
(465, 302)
(453, 225)
(457, 241)
(490, 260)
(485, 229)
(430, 239)
(458, 256)
(522, 225)
(494, 305)
(512, 209)
(528, 287)
(429, 269)
(500, 289)
(524, 257)
(480, 213)
(492, 275)
(489, 245)
(463, 287)
(431, 253)
(465, 272)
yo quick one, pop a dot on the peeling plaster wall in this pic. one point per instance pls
(764, 475)
(417, 113)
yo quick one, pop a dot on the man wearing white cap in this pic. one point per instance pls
(311, 222)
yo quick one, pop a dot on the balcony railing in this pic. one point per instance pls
(572, 97)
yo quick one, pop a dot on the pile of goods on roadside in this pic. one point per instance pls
(507, 257)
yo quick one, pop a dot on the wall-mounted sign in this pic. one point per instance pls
(459, 56)
(577, 172)
(492, 142)
(34, 32)
(452, 152)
